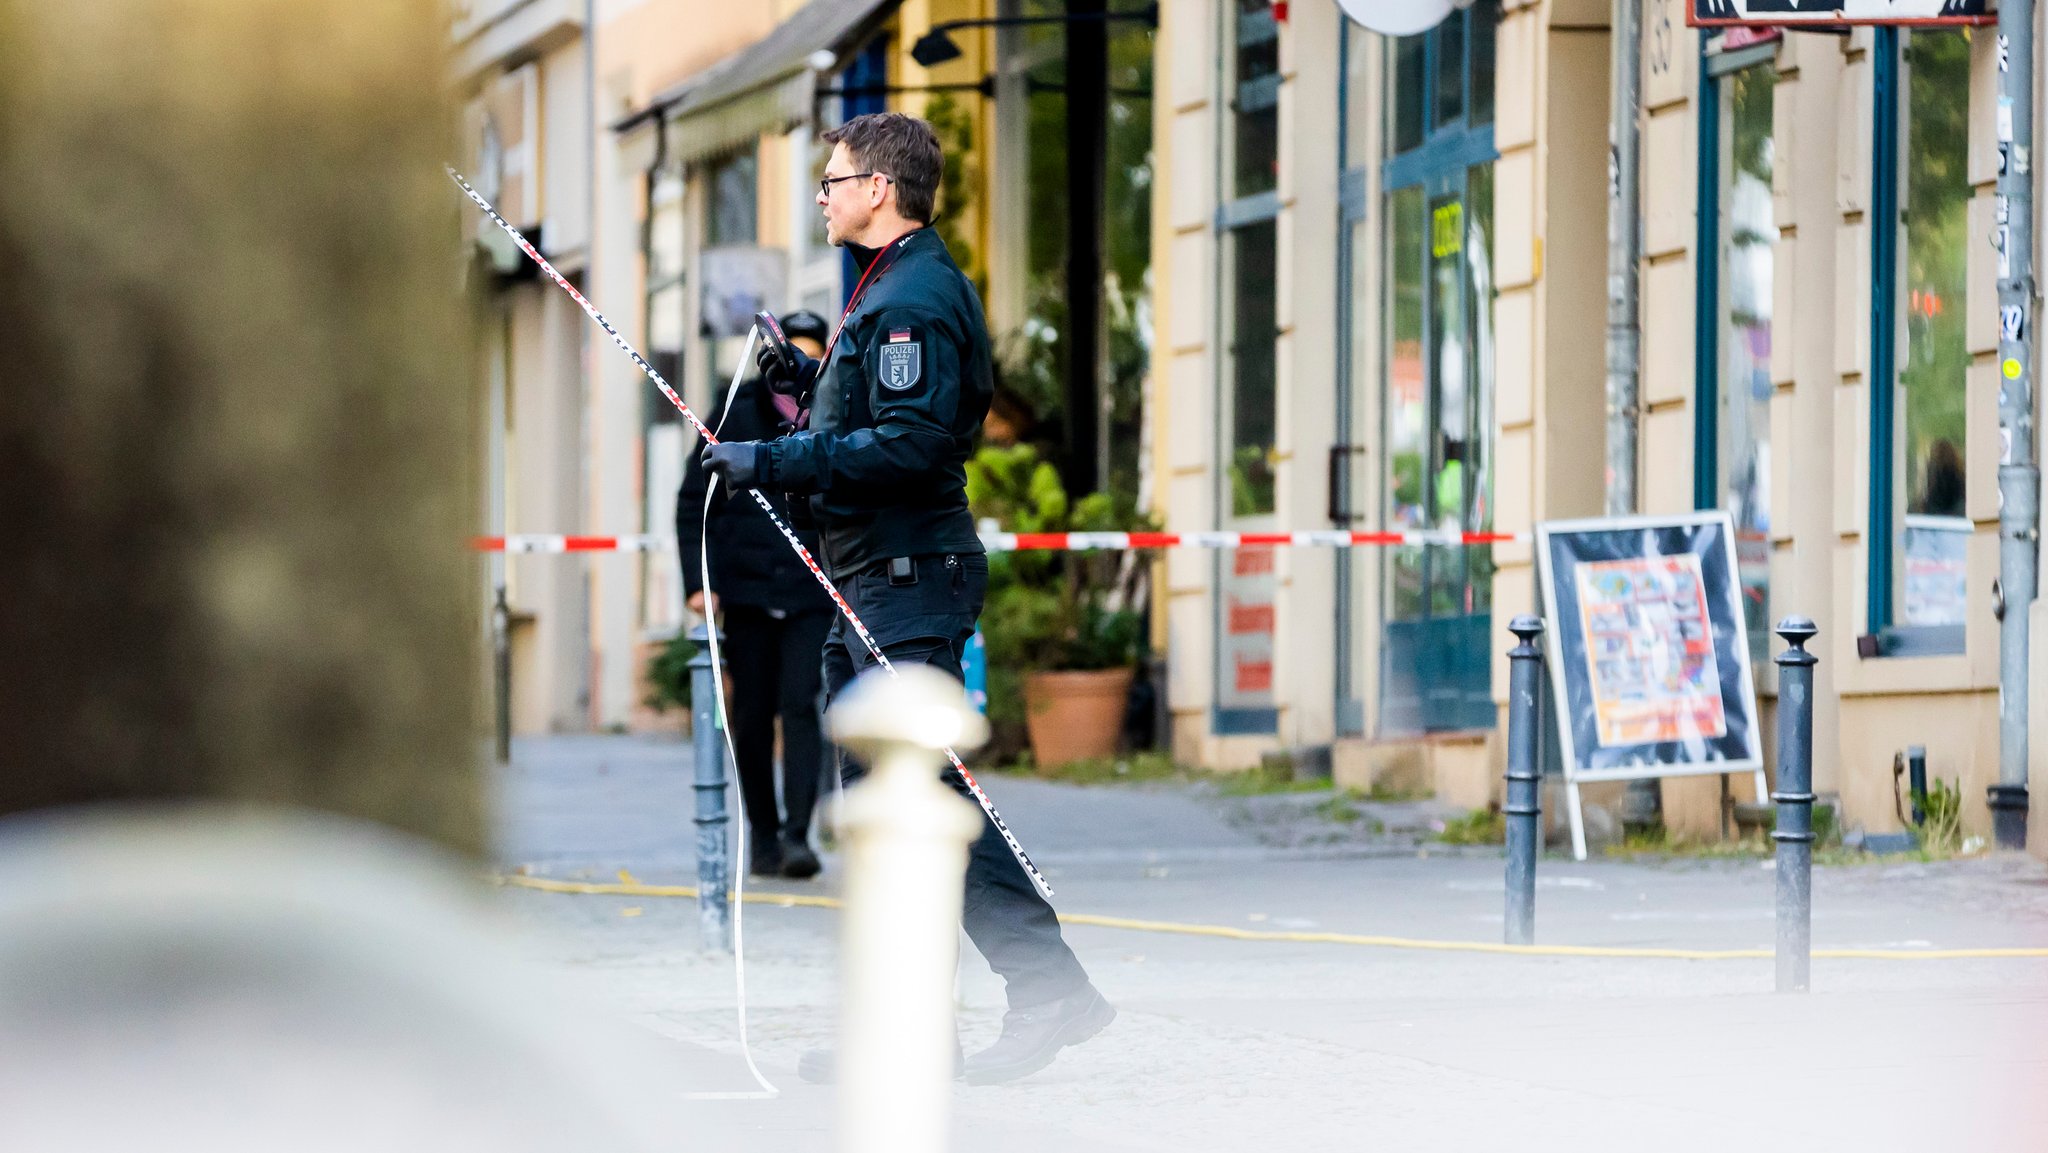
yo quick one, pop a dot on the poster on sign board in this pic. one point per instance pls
(1648, 647)
(1648, 651)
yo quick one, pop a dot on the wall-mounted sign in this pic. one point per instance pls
(1648, 651)
(1709, 13)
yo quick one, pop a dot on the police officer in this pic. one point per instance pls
(775, 619)
(894, 412)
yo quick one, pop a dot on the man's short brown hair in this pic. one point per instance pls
(902, 147)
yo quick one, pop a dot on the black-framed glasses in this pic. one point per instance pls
(825, 183)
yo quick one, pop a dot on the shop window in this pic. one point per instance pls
(1437, 375)
(1253, 330)
(1255, 100)
(1246, 584)
(663, 248)
(734, 278)
(1919, 529)
(1249, 256)
(1732, 458)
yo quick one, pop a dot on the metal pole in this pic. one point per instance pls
(1087, 136)
(1794, 833)
(2019, 480)
(1623, 236)
(714, 906)
(1642, 804)
(1916, 781)
(906, 859)
(501, 669)
(1524, 807)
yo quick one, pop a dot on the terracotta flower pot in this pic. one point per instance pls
(1074, 716)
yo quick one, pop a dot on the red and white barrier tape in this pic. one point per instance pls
(1034, 541)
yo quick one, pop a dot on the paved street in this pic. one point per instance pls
(1226, 1044)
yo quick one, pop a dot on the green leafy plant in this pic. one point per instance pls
(1941, 830)
(1479, 827)
(668, 675)
(1052, 610)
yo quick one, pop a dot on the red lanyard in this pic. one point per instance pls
(860, 288)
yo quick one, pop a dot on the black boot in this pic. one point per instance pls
(799, 863)
(1033, 1037)
(766, 854)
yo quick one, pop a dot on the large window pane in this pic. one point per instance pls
(1929, 463)
(1252, 334)
(1255, 100)
(1407, 408)
(734, 200)
(1450, 71)
(1743, 417)
(1478, 449)
(1485, 16)
(1405, 93)
(1359, 46)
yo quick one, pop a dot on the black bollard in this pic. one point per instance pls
(1794, 834)
(1524, 807)
(501, 676)
(714, 907)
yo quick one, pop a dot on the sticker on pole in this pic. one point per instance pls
(1650, 647)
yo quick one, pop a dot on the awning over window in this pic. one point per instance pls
(766, 87)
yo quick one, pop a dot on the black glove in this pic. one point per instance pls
(738, 463)
(781, 377)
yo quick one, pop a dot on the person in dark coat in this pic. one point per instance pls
(775, 618)
(882, 467)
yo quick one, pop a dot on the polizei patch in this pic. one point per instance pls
(900, 363)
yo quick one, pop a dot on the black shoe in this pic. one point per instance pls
(821, 1066)
(766, 854)
(799, 863)
(1033, 1037)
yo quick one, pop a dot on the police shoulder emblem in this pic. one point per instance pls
(900, 362)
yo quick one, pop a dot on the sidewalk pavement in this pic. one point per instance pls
(1227, 1044)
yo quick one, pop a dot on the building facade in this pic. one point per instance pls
(1383, 306)
(667, 165)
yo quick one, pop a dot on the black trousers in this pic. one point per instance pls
(774, 668)
(930, 622)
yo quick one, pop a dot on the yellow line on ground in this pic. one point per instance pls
(631, 888)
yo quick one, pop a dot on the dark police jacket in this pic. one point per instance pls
(894, 415)
(750, 562)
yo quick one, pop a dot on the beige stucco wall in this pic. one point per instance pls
(1549, 316)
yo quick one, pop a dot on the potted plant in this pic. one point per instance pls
(1064, 629)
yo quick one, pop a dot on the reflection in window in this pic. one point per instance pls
(1255, 100)
(665, 279)
(1405, 93)
(1930, 457)
(734, 202)
(731, 218)
(1743, 420)
(1253, 330)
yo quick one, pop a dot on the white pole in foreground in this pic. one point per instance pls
(907, 840)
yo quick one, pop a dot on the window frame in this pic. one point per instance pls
(1884, 637)
(1233, 216)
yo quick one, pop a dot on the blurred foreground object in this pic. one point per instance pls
(220, 981)
(235, 463)
(235, 434)
(907, 837)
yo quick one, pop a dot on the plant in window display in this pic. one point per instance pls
(1065, 630)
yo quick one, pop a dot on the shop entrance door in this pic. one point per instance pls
(1437, 667)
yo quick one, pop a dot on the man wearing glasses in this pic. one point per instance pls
(895, 407)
